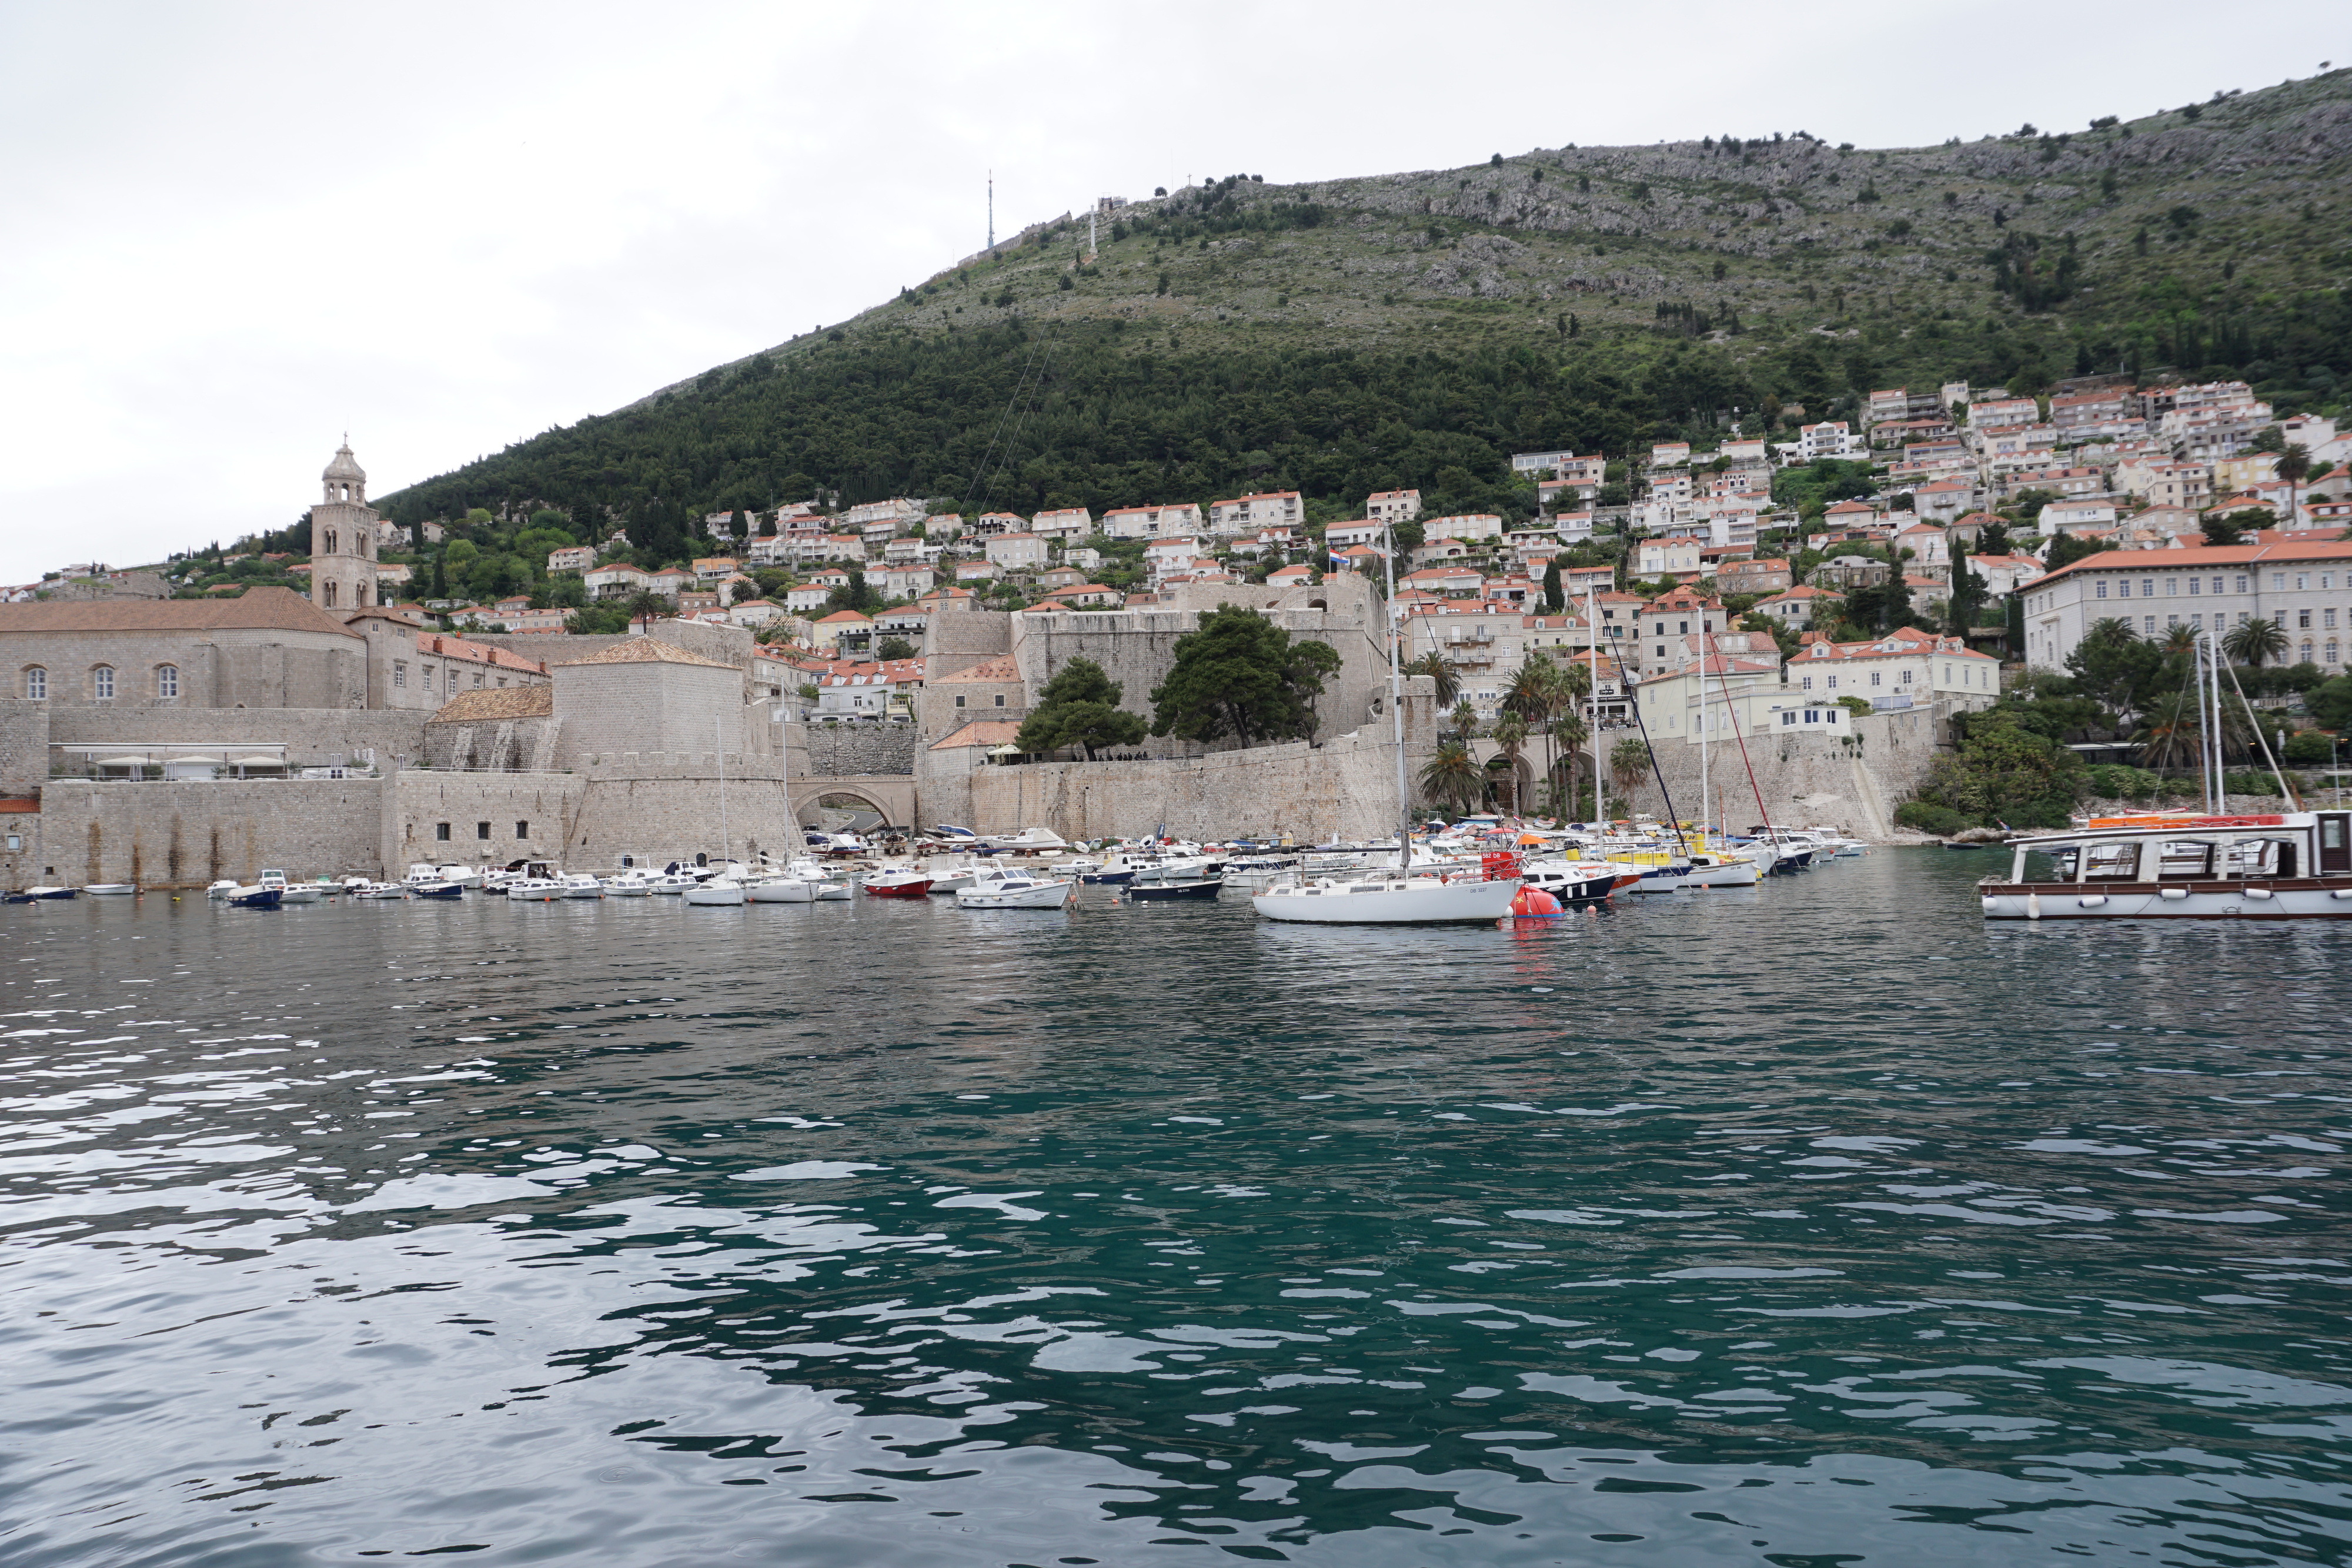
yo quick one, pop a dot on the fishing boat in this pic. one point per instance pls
(718, 893)
(1008, 889)
(110, 889)
(903, 883)
(2287, 865)
(1200, 889)
(579, 885)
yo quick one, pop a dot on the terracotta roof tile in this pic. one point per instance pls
(643, 651)
(496, 702)
(1002, 668)
(980, 732)
(257, 608)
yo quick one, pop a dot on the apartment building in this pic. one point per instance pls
(2305, 588)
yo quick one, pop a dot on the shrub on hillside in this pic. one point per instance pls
(1926, 817)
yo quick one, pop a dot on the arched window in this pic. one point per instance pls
(167, 682)
(101, 682)
(331, 541)
(331, 595)
(36, 683)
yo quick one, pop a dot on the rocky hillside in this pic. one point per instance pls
(1607, 293)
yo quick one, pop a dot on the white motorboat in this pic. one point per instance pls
(378, 890)
(718, 893)
(629, 885)
(780, 890)
(579, 885)
(1259, 871)
(1389, 900)
(1027, 839)
(535, 889)
(464, 875)
(1722, 868)
(898, 882)
(110, 889)
(997, 888)
(2286, 865)
(955, 879)
(222, 888)
(827, 888)
(1578, 882)
(287, 893)
(668, 883)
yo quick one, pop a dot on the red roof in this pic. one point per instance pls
(2202, 556)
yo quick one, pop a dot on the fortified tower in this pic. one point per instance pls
(342, 539)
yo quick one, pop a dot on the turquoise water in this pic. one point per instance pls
(1810, 1224)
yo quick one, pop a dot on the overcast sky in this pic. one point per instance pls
(233, 232)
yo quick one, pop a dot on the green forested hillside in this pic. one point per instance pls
(1415, 329)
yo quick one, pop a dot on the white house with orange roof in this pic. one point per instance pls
(1356, 557)
(988, 525)
(829, 630)
(1247, 514)
(1805, 607)
(1941, 500)
(905, 581)
(806, 596)
(1830, 438)
(1465, 526)
(2302, 587)
(1299, 576)
(1019, 552)
(1904, 668)
(1086, 596)
(1151, 522)
(1930, 548)
(968, 571)
(1393, 506)
(1065, 523)
(1447, 581)
(1668, 557)
(1338, 536)
(1681, 613)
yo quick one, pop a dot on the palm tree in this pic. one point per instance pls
(1441, 669)
(2255, 641)
(1536, 696)
(1570, 732)
(1629, 764)
(2293, 466)
(1450, 776)
(1466, 721)
(2181, 640)
(1511, 735)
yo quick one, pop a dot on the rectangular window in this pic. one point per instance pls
(400, 672)
(2278, 619)
(2171, 587)
(2302, 580)
(101, 681)
(1832, 683)
(2194, 584)
(167, 682)
(2099, 588)
(481, 829)
(2197, 623)
(2217, 585)
(999, 699)
(441, 832)
(2278, 579)
(1806, 684)
(522, 830)
(2150, 625)
(2327, 619)
(36, 684)
(1788, 719)
(1874, 677)
(2148, 588)
(2171, 620)
(428, 677)
(959, 701)
(2241, 583)
(2302, 620)
(1907, 677)
(16, 843)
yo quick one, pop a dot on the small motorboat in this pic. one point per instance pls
(222, 888)
(425, 871)
(48, 893)
(426, 890)
(379, 890)
(955, 879)
(1026, 838)
(669, 883)
(905, 882)
(256, 898)
(579, 885)
(718, 893)
(110, 889)
(996, 889)
(629, 885)
(1200, 888)
(826, 887)
(1578, 882)
(288, 893)
(535, 889)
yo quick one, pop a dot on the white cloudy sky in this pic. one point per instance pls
(233, 231)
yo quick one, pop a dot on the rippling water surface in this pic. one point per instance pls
(1813, 1224)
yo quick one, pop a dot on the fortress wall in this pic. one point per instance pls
(186, 834)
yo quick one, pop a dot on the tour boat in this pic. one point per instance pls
(579, 885)
(902, 883)
(110, 889)
(1389, 900)
(1202, 888)
(535, 889)
(999, 889)
(2288, 865)
(718, 893)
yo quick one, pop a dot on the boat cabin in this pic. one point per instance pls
(2281, 865)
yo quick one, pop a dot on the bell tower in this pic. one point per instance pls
(343, 537)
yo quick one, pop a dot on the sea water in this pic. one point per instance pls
(1815, 1223)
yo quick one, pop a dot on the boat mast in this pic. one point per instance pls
(1703, 639)
(1396, 699)
(718, 729)
(1593, 730)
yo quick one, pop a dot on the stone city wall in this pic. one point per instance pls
(709, 639)
(1807, 780)
(958, 639)
(24, 745)
(837, 749)
(609, 709)
(313, 736)
(187, 834)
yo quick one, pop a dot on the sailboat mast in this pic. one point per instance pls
(1396, 699)
(718, 729)
(1593, 730)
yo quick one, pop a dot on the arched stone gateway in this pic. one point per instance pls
(893, 799)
